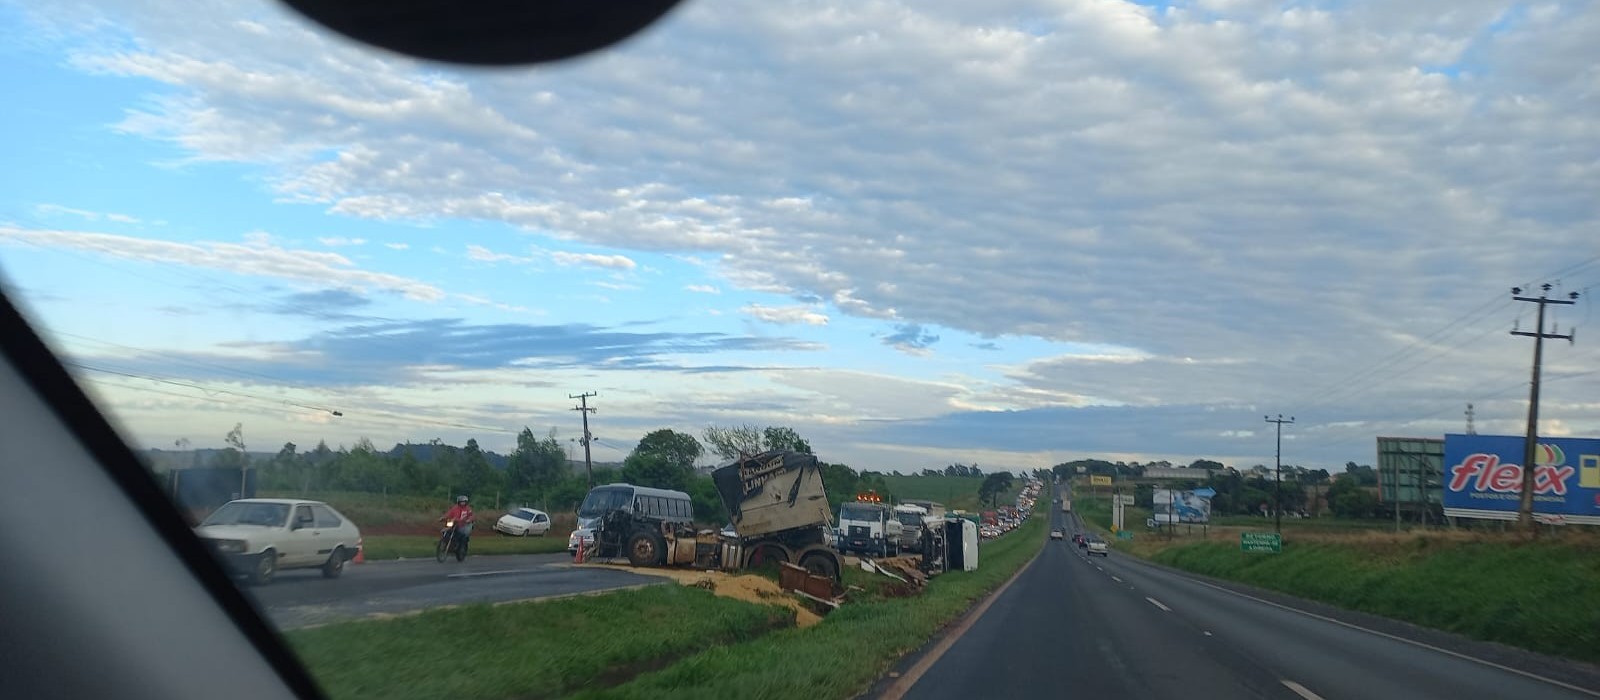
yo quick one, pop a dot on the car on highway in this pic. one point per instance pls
(524, 522)
(258, 537)
(1098, 546)
(1055, 534)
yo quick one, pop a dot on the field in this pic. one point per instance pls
(955, 492)
(394, 514)
(655, 642)
(526, 650)
(1540, 595)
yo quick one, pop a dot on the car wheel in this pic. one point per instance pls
(335, 564)
(266, 566)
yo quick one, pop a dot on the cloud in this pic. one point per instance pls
(258, 258)
(58, 210)
(482, 254)
(340, 241)
(397, 246)
(703, 289)
(910, 338)
(610, 262)
(399, 352)
(986, 345)
(785, 314)
(327, 304)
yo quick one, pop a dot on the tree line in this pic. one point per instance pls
(538, 473)
(1247, 492)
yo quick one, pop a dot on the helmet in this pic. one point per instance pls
(461, 499)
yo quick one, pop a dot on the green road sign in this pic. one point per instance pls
(1124, 535)
(1268, 542)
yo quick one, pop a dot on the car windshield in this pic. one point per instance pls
(525, 514)
(236, 513)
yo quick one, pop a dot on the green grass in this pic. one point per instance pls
(955, 492)
(1543, 596)
(850, 648)
(529, 650)
(483, 542)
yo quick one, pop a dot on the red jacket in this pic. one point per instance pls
(460, 513)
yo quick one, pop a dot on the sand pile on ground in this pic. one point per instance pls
(746, 587)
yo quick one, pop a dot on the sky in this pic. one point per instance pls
(1010, 233)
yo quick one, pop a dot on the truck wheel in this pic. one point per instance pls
(646, 549)
(821, 564)
(766, 555)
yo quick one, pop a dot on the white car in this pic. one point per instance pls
(1099, 547)
(523, 522)
(257, 537)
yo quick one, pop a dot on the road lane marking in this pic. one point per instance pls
(1118, 580)
(1403, 640)
(1157, 603)
(907, 681)
(471, 574)
(1208, 634)
(1300, 690)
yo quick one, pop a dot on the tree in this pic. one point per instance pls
(655, 470)
(1205, 464)
(784, 438)
(1348, 499)
(476, 473)
(993, 485)
(733, 442)
(1316, 478)
(536, 465)
(1364, 473)
(678, 449)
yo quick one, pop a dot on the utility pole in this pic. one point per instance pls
(1470, 429)
(585, 410)
(1525, 510)
(1277, 483)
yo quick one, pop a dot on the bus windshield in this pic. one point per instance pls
(601, 500)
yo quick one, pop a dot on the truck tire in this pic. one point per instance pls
(646, 549)
(766, 555)
(821, 564)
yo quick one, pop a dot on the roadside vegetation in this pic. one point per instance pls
(853, 646)
(526, 650)
(955, 492)
(484, 542)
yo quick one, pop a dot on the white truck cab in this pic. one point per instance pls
(869, 528)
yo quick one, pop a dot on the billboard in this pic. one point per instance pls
(1098, 480)
(1483, 478)
(1189, 507)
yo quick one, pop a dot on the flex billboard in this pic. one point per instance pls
(1483, 478)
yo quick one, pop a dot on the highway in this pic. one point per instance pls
(300, 598)
(1116, 627)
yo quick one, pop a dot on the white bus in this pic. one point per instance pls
(668, 505)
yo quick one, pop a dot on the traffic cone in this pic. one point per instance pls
(361, 552)
(579, 558)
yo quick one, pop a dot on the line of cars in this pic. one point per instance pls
(1007, 518)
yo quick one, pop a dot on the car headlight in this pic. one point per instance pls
(229, 546)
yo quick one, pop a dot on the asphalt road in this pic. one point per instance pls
(297, 598)
(1071, 626)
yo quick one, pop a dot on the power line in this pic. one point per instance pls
(1525, 509)
(209, 390)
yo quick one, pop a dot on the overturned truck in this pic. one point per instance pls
(779, 513)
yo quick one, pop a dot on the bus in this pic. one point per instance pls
(668, 505)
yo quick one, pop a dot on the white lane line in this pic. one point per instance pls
(1207, 633)
(1118, 580)
(1157, 603)
(471, 574)
(1403, 640)
(1300, 690)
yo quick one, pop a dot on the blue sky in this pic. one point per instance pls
(1044, 230)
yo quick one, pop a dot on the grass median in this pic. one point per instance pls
(484, 541)
(848, 651)
(528, 650)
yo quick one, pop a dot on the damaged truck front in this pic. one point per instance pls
(779, 511)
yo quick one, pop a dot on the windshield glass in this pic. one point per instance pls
(263, 514)
(911, 519)
(860, 513)
(599, 501)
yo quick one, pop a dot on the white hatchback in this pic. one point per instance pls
(523, 522)
(258, 536)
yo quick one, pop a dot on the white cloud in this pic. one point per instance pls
(397, 246)
(58, 210)
(257, 257)
(610, 262)
(703, 289)
(785, 314)
(341, 241)
(482, 254)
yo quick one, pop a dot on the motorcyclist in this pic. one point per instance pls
(461, 515)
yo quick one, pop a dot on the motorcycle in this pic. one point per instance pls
(449, 541)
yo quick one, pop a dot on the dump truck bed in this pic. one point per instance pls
(772, 492)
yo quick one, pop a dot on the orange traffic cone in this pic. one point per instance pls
(579, 558)
(361, 553)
